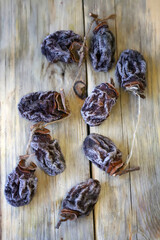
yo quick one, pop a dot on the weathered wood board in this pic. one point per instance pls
(129, 206)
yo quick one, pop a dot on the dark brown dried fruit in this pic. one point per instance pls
(80, 89)
(48, 152)
(131, 71)
(80, 200)
(56, 46)
(43, 106)
(102, 48)
(21, 185)
(99, 103)
(104, 154)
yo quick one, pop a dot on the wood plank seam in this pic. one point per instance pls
(87, 126)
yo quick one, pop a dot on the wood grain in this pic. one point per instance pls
(142, 29)
(24, 70)
(129, 206)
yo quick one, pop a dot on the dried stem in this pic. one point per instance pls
(26, 156)
(95, 16)
(128, 170)
(112, 16)
(112, 82)
(60, 221)
(26, 168)
(67, 214)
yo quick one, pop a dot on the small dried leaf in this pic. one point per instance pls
(80, 89)
(78, 54)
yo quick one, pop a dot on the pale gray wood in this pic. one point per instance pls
(138, 28)
(24, 24)
(130, 203)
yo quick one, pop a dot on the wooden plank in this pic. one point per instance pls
(113, 208)
(138, 28)
(24, 24)
(131, 200)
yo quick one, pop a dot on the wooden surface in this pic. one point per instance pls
(129, 206)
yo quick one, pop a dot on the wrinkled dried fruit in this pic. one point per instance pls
(43, 106)
(21, 185)
(80, 89)
(102, 48)
(56, 46)
(103, 153)
(48, 152)
(99, 103)
(131, 71)
(80, 200)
